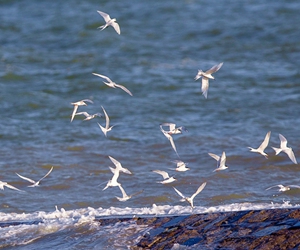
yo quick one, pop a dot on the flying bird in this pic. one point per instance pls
(190, 200)
(126, 197)
(79, 103)
(109, 22)
(107, 128)
(35, 183)
(180, 166)
(172, 128)
(220, 161)
(206, 76)
(284, 188)
(88, 116)
(112, 84)
(165, 175)
(262, 146)
(285, 149)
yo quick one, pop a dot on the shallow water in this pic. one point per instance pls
(48, 53)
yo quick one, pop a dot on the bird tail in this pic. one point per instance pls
(277, 150)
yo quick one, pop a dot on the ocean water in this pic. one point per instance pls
(49, 51)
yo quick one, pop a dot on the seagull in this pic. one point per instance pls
(5, 184)
(190, 199)
(112, 84)
(170, 138)
(107, 127)
(88, 116)
(119, 166)
(165, 175)
(114, 180)
(109, 22)
(207, 75)
(172, 128)
(262, 146)
(221, 161)
(284, 188)
(79, 103)
(35, 183)
(180, 166)
(285, 149)
(125, 196)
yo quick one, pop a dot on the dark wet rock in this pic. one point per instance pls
(255, 229)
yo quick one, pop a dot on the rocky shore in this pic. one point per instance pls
(254, 229)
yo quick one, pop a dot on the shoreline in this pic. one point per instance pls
(251, 229)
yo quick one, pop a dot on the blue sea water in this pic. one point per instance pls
(48, 52)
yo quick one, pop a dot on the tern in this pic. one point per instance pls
(5, 184)
(125, 196)
(221, 161)
(107, 127)
(109, 22)
(119, 166)
(190, 200)
(112, 84)
(114, 180)
(180, 166)
(35, 183)
(79, 103)
(284, 188)
(262, 146)
(170, 138)
(165, 175)
(206, 76)
(88, 116)
(285, 149)
(172, 128)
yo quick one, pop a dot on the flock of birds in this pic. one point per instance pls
(168, 129)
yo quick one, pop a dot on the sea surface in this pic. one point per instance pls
(48, 52)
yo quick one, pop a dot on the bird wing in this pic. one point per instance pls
(178, 192)
(274, 186)
(25, 178)
(104, 15)
(114, 161)
(283, 141)
(87, 100)
(124, 88)
(106, 118)
(291, 155)
(116, 27)
(46, 174)
(202, 186)
(172, 143)
(223, 159)
(123, 191)
(265, 142)
(12, 187)
(86, 114)
(164, 174)
(74, 112)
(214, 68)
(205, 85)
(216, 157)
(104, 77)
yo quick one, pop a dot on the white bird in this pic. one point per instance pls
(284, 188)
(114, 180)
(170, 138)
(262, 146)
(5, 184)
(165, 175)
(109, 22)
(107, 127)
(180, 166)
(119, 166)
(220, 161)
(35, 183)
(125, 196)
(285, 149)
(88, 116)
(79, 103)
(112, 84)
(190, 200)
(207, 75)
(172, 128)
